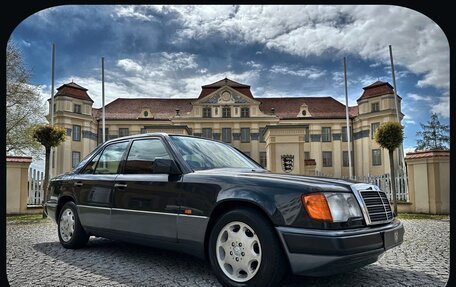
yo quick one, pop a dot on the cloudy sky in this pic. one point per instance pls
(171, 51)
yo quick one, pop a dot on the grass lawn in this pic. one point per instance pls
(25, 218)
(422, 216)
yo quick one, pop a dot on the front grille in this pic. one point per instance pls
(378, 207)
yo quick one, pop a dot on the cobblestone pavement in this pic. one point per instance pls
(35, 258)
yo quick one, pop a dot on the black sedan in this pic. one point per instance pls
(208, 199)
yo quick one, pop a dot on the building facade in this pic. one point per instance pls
(298, 135)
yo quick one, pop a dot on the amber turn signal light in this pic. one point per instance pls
(317, 206)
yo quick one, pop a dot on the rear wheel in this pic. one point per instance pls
(71, 233)
(245, 251)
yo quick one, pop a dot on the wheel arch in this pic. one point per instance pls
(62, 200)
(231, 204)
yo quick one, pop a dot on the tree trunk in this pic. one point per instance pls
(393, 180)
(46, 177)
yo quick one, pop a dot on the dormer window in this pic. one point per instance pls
(76, 108)
(375, 107)
(145, 113)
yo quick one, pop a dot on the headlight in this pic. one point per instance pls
(342, 205)
(331, 206)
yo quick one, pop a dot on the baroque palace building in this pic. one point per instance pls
(299, 135)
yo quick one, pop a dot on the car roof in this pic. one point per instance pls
(159, 134)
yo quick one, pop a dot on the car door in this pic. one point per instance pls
(145, 203)
(94, 186)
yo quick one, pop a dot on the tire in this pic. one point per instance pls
(244, 250)
(71, 233)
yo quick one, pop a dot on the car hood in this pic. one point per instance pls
(264, 174)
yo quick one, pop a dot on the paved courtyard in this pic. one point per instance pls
(35, 258)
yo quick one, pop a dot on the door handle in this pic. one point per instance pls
(120, 185)
(78, 184)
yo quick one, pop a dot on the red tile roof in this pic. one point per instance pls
(426, 154)
(160, 108)
(319, 107)
(18, 158)
(285, 108)
(376, 89)
(73, 90)
(241, 88)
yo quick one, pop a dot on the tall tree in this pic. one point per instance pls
(24, 106)
(390, 135)
(49, 136)
(434, 135)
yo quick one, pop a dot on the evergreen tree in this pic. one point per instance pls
(434, 135)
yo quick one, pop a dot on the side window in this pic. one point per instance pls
(142, 155)
(110, 158)
(91, 165)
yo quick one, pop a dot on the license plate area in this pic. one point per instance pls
(392, 238)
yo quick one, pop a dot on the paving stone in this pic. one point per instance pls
(36, 258)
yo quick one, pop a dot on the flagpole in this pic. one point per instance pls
(103, 100)
(401, 148)
(51, 158)
(347, 120)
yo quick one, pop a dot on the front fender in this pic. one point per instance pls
(259, 199)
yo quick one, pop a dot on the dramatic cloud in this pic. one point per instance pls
(418, 43)
(442, 108)
(280, 51)
(419, 98)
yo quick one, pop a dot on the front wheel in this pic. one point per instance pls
(245, 251)
(71, 233)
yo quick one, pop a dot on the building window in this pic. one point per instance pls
(77, 108)
(53, 159)
(226, 112)
(245, 112)
(325, 134)
(327, 158)
(207, 112)
(306, 134)
(247, 153)
(375, 107)
(226, 135)
(123, 132)
(55, 107)
(263, 159)
(376, 157)
(345, 158)
(261, 131)
(143, 131)
(146, 114)
(100, 135)
(75, 158)
(76, 133)
(207, 133)
(374, 127)
(306, 155)
(344, 134)
(245, 135)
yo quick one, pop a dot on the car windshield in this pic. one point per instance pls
(203, 154)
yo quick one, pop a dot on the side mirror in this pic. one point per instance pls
(167, 166)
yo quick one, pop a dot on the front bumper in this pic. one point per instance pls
(50, 209)
(324, 252)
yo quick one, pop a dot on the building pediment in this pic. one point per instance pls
(226, 96)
